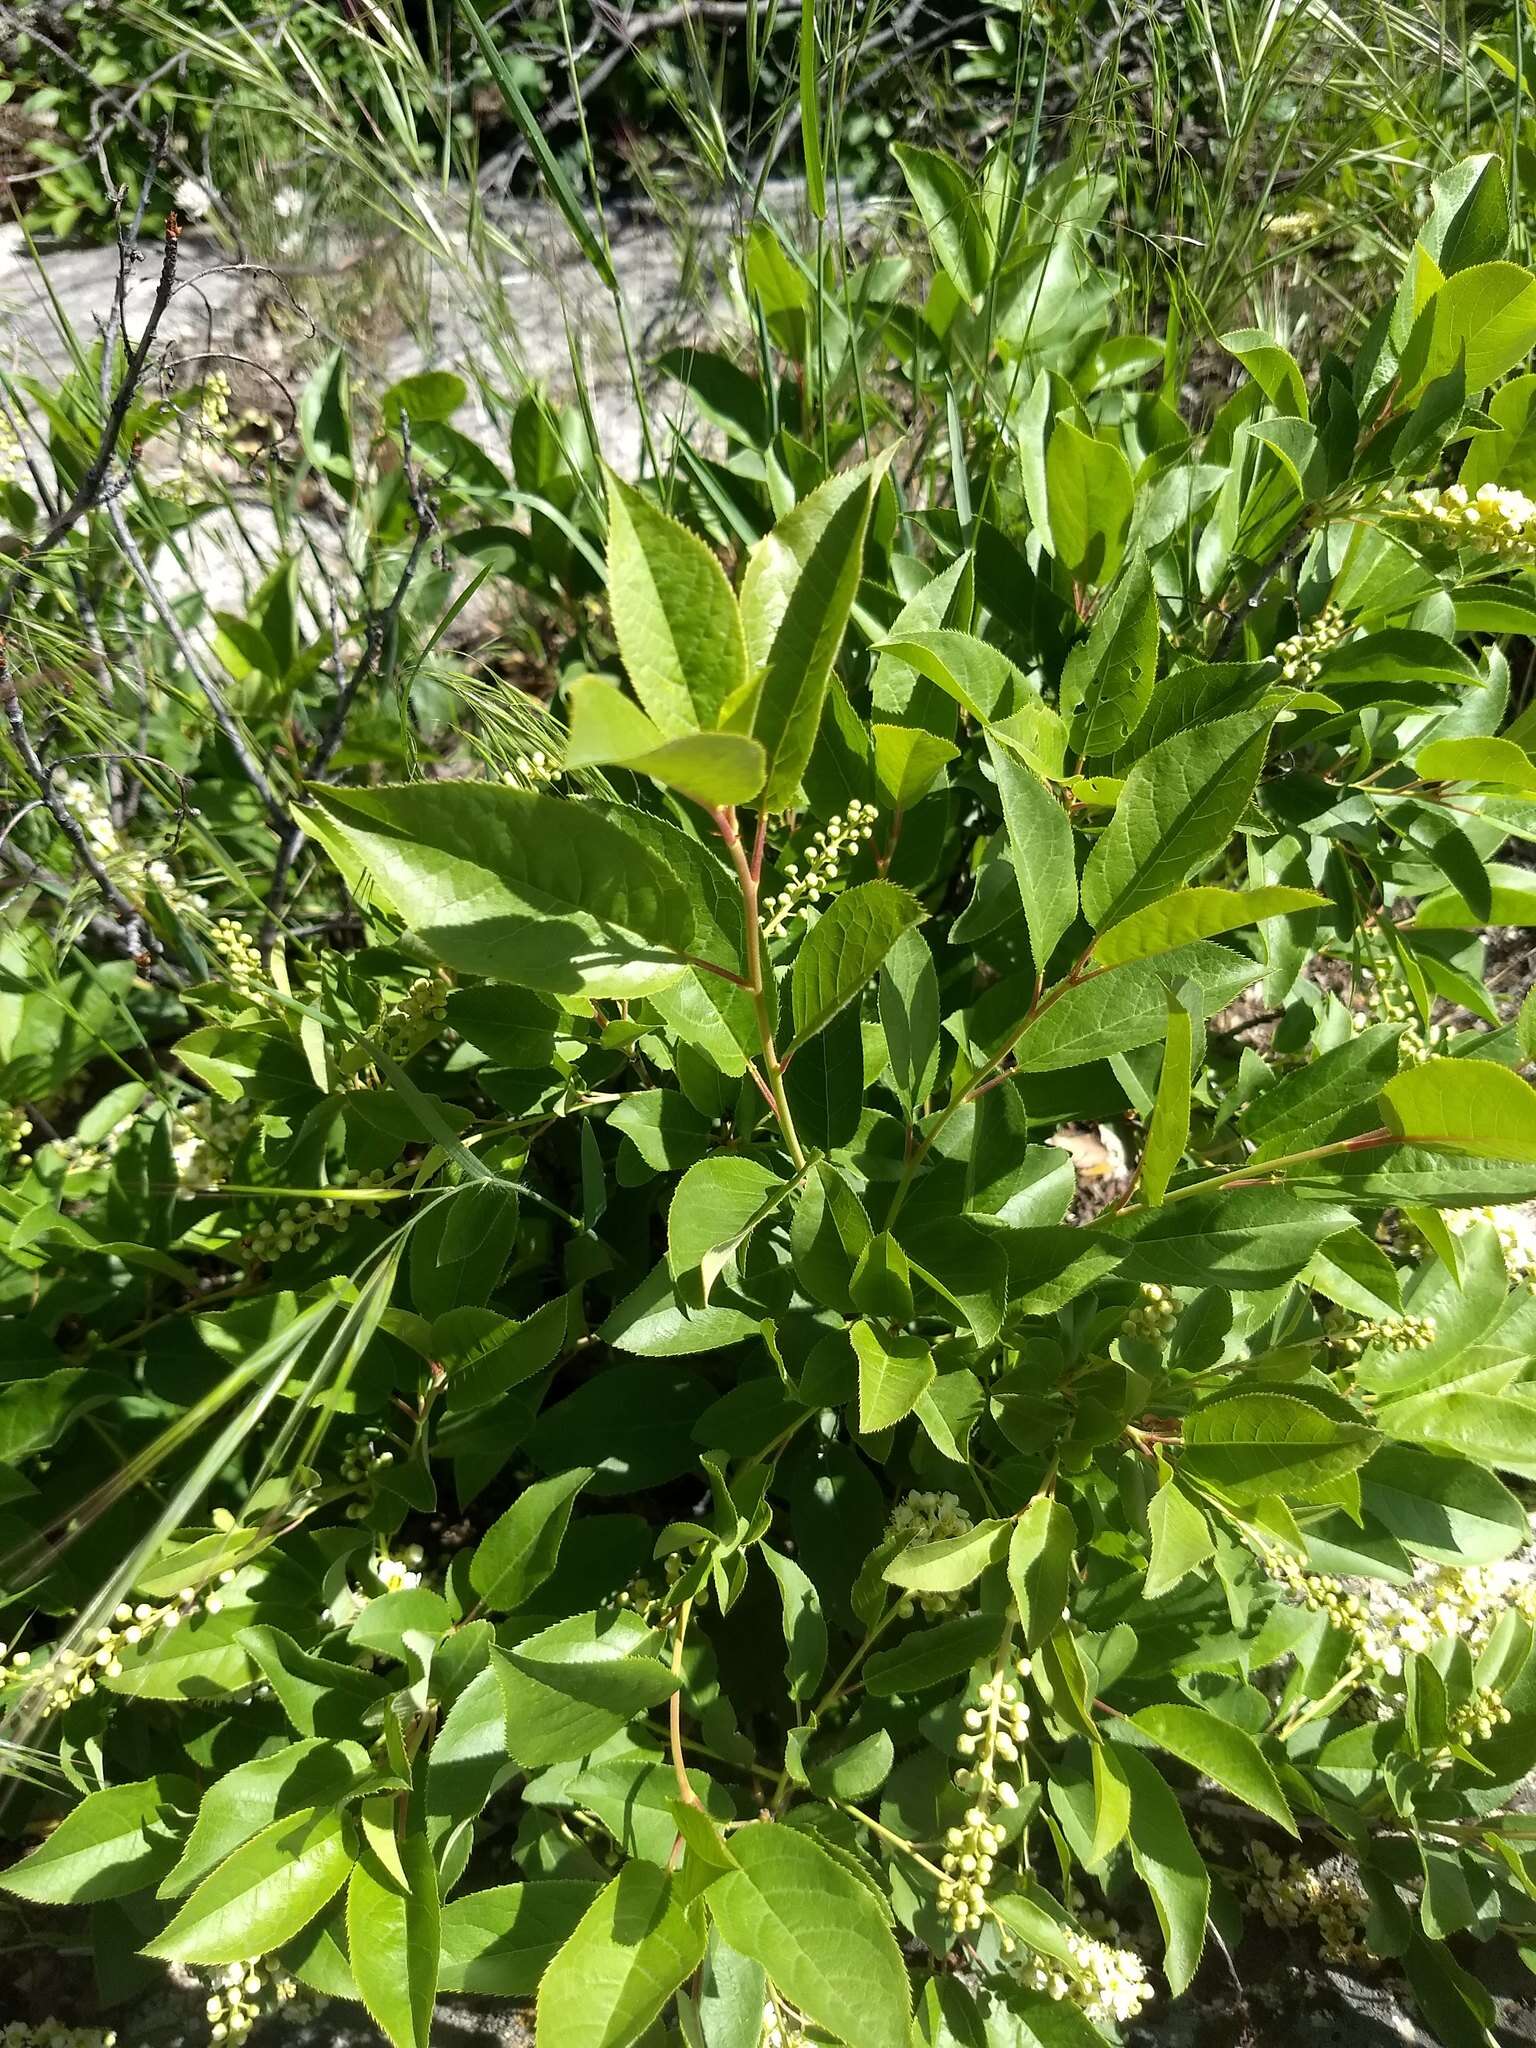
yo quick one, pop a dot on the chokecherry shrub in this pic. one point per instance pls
(570, 1433)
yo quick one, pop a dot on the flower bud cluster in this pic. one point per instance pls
(247, 1993)
(1385, 1004)
(927, 1517)
(213, 406)
(54, 2033)
(1514, 1225)
(1291, 1893)
(241, 955)
(1492, 519)
(1301, 656)
(1152, 1317)
(15, 1129)
(10, 456)
(840, 840)
(1353, 1335)
(1477, 1719)
(990, 1747)
(70, 1674)
(417, 1017)
(296, 1227)
(536, 770)
(1108, 1984)
(212, 1132)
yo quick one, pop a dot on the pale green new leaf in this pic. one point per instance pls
(393, 1941)
(263, 1894)
(1091, 494)
(1466, 1105)
(1040, 1555)
(607, 730)
(952, 215)
(630, 1950)
(674, 615)
(795, 600)
(1197, 913)
(1168, 1131)
(1221, 1751)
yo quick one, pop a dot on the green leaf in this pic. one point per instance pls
(1442, 1507)
(1107, 683)
(827, 1237)
(1168, 1864)
(1234, 1238)
(393, 1941)
(795, 600)
(499, 1943)
(116, 1841)
(950, 1564)
(931, 1656)
(1040, 1557)
(894, 1372)
(1040, 850)
(522, 1547)
(909, 1017)
(674, 616)
(844, 949)
(1176, 811)
(629, 1952)
(907, 762)
(1499, 762)
(263, 1894)
(818, 1932)
(325, 423)
(1181, 1539)
(516, 884)
(715, 1206)
(319, 1696)
(805, 1629)
(1512, 900)
(570, 1687)
(307, 1773)
(1091, 496)
(810, 114)
(1483, 317)
(1199, 913)
(956, 227)
(1168, 1130)
(429, 395)
(1125, 1007)
(714, 768)
(1273, 368)
(1221, 1751)
(1465, 1105)
(1252, 1445)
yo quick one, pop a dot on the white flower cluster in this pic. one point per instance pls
(90, 812)
(15, 1129)
(192, 198)
(1152, 1317)
(55, 2034)
(1291, 1893)
(400, 1574)
(1494, 520)
(1109, 1985)
(1301, 656)
(1353, 1335)
(1515, 1227)
(296, 1227)
(990, 1746)
(927, 1518)
(247, 1993)
(211, 1133)
(70, 1674)
(1385, 1004)
(1391, 1623)
(838, 841)
(535, 770)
